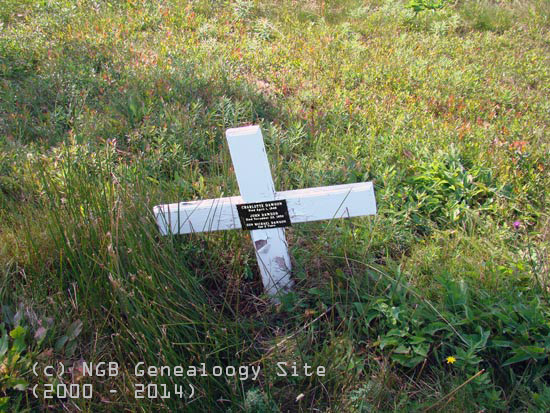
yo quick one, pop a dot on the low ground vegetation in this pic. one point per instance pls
(439, 302)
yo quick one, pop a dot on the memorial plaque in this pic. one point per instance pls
(264, 215)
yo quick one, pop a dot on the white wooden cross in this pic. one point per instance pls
(251, 166)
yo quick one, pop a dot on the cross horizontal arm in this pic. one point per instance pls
(304, 205)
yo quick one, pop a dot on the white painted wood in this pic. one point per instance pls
(246, 146)
(329, 202)
(304, 205)
(198, 216)
(256, 185)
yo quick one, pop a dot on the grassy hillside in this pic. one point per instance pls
(438, 303)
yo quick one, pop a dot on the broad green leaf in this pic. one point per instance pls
(407, 361)
(516, 359)
(70, 349)
(388, 342)
(402, 349)
(502, 343)
(371, 315)
(434, 327)
(18, 332)
(533, 350)
(60, 343)
(395, 332)
(421, 350)
(417, 340)
(18, 335)
(361, 308)
(4, 344)
(7, 314)
(74, 329)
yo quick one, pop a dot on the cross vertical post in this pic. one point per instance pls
(246, 146)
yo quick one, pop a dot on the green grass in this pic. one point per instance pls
(110, 108)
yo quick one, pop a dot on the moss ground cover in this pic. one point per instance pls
(440, 302)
